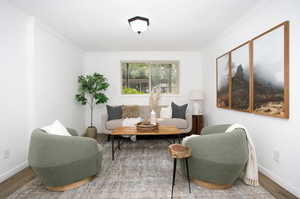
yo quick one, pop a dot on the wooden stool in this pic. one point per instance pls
(178, 151)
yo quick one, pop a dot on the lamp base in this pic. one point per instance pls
(196, 108)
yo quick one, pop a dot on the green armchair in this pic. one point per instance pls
(218, 158)
(64, 160)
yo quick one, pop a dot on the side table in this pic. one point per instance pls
(198, 124)
(178, 151)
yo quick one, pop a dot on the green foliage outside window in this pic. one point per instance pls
(141, 78)
(131, 91)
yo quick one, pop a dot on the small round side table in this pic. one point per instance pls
(178, 151)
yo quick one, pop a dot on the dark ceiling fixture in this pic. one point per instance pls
(139, 24)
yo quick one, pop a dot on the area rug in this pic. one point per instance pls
(141, 170)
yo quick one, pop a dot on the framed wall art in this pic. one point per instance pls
(240, 77)
(257, 74)
(223, 81)
(270, 72)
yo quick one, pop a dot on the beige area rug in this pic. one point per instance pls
(141, 170)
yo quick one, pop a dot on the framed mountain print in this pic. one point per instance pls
(240, 77)
(271, 72)
(222, 64)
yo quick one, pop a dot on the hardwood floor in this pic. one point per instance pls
(12, 184)
(15, 182)
(276, 190)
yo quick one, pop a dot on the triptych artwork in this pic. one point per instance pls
(254, 77)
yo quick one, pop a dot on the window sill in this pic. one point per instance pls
(147, 95)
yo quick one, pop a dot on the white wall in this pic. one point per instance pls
(268, 133)
(13, 96)
(39, 70)
(108, 64)
(58, 63)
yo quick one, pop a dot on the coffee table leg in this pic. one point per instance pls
(119, 146)
(174, 175)
(112, 147)
(187, 172)
(179, 140)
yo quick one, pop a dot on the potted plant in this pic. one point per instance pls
(91, 88)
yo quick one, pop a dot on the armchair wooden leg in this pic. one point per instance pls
(210, 185)
(71, 186)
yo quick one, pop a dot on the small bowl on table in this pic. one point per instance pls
(146, 126)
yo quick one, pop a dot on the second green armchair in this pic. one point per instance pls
(218, 158)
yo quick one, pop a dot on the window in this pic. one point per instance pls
(142, 77)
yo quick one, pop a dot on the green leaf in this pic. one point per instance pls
(81, 99)
(101, 98)
(92, 85)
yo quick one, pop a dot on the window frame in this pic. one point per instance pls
(148, 62)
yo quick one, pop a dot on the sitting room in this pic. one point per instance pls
(149, 99)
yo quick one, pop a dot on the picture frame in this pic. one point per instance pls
(223, 81)
(264, 90)
(240, 77)
(271, 72)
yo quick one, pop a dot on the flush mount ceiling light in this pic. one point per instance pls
(139, 24)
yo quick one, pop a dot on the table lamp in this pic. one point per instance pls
(196, 96)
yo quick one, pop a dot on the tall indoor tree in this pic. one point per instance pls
(91, 92)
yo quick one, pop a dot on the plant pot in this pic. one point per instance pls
(91, 132)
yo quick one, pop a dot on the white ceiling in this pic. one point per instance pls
(102, 24)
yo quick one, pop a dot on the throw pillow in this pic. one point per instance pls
(179, 111)
(56, 129)
(114, 112)
(131, 111)
(165, 112)
(131, 121)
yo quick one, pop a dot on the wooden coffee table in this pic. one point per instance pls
(162, 130)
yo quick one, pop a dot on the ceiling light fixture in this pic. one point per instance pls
(139, 24)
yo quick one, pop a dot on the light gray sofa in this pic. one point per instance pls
(144, 112)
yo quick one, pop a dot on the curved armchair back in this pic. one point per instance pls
(221, 128)
(218, 157)
(61, 160)
(52, 150)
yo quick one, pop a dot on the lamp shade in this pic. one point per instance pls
(196, 95)
(138, 24)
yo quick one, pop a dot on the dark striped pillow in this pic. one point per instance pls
(179, 111)
(114, 112)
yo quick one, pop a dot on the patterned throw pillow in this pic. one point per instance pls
(131, 111)
(114, 112)
(179, 111)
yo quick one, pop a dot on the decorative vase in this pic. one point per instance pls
(91, 132)
(153, 117)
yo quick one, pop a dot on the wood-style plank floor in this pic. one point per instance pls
(15, 182)
(276, 190)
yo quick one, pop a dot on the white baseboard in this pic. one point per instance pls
(279, 181)
(13, 171)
